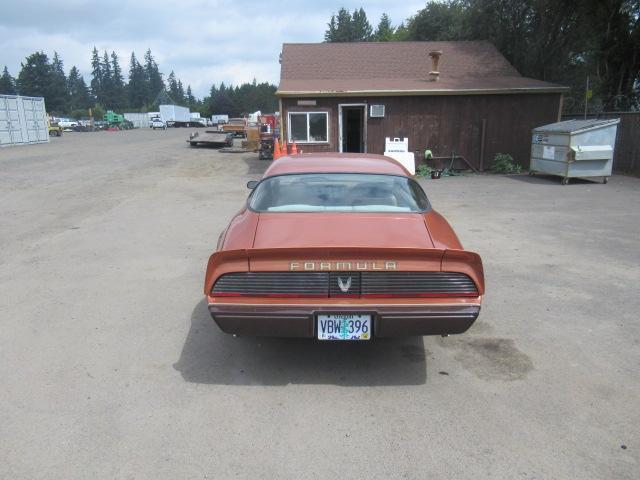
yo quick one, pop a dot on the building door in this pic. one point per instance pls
(353, 128)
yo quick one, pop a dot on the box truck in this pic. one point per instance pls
(175, 115)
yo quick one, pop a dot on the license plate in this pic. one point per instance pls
(344, 327)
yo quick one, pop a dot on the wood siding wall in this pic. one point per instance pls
(446, 124)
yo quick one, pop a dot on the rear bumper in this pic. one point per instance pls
(299, 320)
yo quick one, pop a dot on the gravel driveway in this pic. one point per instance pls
(112, 368)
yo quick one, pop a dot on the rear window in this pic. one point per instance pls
(338, 192)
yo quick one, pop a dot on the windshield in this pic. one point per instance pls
(338, 192)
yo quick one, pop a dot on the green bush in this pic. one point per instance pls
(423, 170)
(504, 163)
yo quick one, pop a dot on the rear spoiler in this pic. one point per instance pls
(344, 258)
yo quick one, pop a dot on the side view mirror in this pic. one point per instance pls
(251, 184)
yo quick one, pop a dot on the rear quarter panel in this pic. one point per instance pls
(442, 235)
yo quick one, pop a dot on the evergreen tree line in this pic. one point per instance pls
(245, 98)
(561, 41)
(144, 90)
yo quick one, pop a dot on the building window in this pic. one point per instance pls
(309, 127)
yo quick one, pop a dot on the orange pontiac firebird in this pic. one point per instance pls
(341, 247)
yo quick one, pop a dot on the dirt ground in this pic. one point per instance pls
(112, 368)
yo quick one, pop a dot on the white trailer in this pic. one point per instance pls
(23, 120)
(216, 119)
(175, 115)
(139, 120)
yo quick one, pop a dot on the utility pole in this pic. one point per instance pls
(586, 98)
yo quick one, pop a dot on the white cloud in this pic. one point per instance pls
(203, 41)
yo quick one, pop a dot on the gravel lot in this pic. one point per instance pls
(112, 368)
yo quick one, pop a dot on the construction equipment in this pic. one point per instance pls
(54, 127)
(267, 137)
(117, 121)
(237, 126)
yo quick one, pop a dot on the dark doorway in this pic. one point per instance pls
(353, 129)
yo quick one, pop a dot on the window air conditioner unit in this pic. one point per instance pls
(376, 111)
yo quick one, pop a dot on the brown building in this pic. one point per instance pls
(461, 97)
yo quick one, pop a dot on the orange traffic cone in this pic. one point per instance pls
(285, 150)
(276, 149)
(294, 149)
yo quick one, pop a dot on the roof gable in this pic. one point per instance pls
(388, 67)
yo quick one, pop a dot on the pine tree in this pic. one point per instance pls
(191, 101)
(58, 96)
(153, 77)
(7, 83)
(79, 98)
(332, 28)
(361, 30)
(384, 31)
(96, 74)
(107, 83)
(233, 101)
(137, 89)
(339, 27)
(36, 76)
(181, 97)
(118, 93)
(401, 33)
(172, 85)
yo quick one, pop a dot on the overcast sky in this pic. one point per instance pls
(203, 41)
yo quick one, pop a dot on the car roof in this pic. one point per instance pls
(336, 163)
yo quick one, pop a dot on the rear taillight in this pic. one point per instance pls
(345, 285)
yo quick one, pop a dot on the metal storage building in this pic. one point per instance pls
(23, 120)
(574, 148)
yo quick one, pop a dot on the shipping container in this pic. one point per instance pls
(23, 120)
(139, 120)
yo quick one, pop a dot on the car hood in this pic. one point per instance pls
(290, 230)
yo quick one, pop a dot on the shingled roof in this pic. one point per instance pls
(399, 68)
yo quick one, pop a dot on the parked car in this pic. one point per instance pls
(341, 247)
(68, 123)
(157, 123)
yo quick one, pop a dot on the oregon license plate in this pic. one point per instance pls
(344, 327)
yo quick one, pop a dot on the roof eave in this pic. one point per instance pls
(404, 93)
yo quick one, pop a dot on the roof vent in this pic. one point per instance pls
(434, 74)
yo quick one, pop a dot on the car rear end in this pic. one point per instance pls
(344, 293)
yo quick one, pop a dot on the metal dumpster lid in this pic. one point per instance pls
(572, 126)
